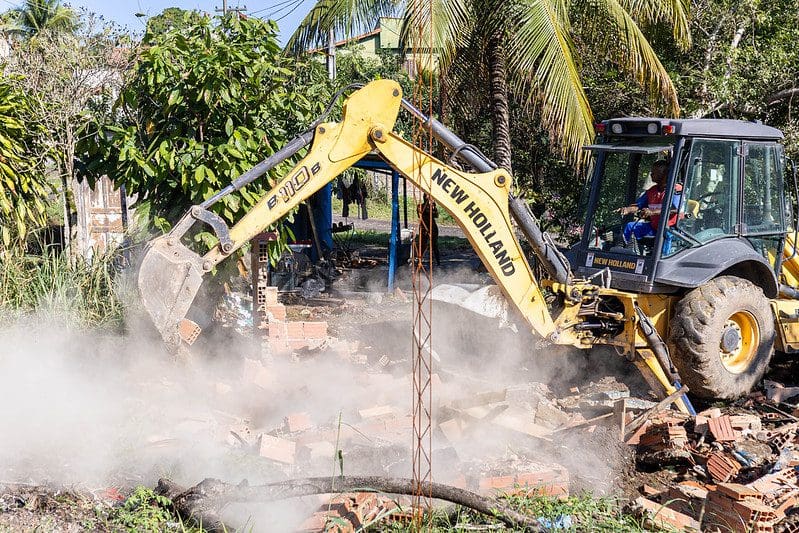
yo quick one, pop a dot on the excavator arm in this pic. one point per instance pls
(481, 203)
(171, 274)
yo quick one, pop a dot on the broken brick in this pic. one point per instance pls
(663, 516)
(721, 429)
(377, 412)
(298, 422)
(722, 467)
(319, 450)
(277, 449)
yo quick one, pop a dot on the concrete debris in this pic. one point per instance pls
(777, 393)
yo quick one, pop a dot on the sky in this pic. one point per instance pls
(288, 13)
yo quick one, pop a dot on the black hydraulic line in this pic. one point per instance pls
(556, 265)
(789, 292)
(293, 146)
(661, 352)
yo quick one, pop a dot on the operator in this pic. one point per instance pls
(649, 204)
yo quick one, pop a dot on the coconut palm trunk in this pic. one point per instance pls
(500, 113)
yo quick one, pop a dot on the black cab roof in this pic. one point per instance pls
(697, 127)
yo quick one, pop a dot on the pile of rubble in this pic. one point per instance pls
(732, 469)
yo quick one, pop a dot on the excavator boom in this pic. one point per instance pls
(481, 203)
(171, 274)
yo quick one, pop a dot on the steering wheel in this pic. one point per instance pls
(705, 202)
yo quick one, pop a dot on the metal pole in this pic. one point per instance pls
(331, 55)
(393, 245)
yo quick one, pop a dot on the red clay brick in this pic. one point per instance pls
(276, 312)
(663, 516)
(722, 467)
(270, 293)
(721, 429)
(315, 330)
(497, 483)
(277, 330)
(294, 330)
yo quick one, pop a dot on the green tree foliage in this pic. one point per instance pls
(744, 64)
(23, 188)
(68, 78)
(204, 103)
(172, 18)
(487, 46)
(36, 16)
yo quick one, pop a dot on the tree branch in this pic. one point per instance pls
(202, 503)
(781, 96)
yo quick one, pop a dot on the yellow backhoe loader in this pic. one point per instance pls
(701, 295)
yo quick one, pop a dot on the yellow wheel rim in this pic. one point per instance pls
(739, 341)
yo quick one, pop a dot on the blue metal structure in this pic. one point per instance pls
(379, 165)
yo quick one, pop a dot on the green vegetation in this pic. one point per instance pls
(37, 16)
(23, 188)
(525, 44)
(379, 208)
(86, 294)
(364, 238)
(144, 510)
(576, 513)
(206, 100)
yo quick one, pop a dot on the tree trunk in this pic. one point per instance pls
(203, 502)
(67, 231)
(500, 114)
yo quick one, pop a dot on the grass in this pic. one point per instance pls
(85, 293)
(380, 209)
(362, 238)
(585, 512)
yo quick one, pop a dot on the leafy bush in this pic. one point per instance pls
(144, 510)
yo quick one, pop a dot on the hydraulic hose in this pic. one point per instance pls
(556, 265)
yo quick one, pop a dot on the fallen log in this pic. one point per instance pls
(201, 504)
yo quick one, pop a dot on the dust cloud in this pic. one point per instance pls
(82, 408)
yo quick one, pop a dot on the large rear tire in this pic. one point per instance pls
(722, 335)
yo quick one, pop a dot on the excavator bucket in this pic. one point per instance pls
(169, 278)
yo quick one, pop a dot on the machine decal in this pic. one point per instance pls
(478, 218)
(615, 263)
(292, 186)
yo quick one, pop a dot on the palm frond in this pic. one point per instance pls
(637, 55)
(674, 13)
(441, 25)
(346, 18)
(545, 77)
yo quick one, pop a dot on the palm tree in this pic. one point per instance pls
(524, 44)
(36, 16)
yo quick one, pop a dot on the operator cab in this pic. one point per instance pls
(673, 203)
